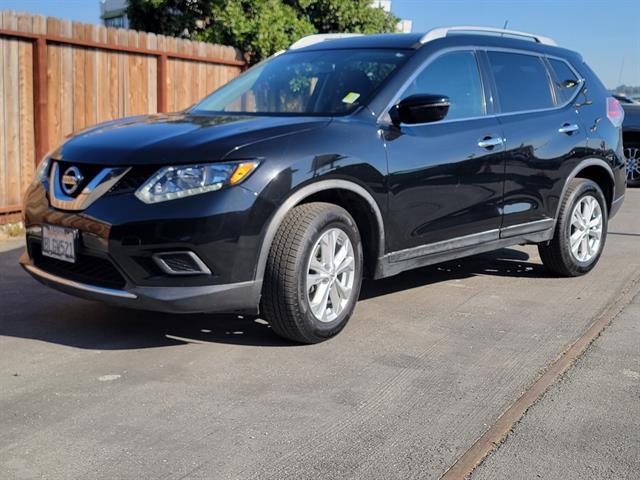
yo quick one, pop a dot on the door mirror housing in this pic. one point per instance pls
(422, 108)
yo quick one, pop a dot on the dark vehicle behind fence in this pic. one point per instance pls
(338, 159)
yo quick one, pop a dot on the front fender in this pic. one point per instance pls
(343, 155)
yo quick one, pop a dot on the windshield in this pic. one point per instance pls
(325, 82)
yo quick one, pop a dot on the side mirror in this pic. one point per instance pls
(420, 109)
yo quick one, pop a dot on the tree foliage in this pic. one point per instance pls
(176, 18)
(353, 16)
(257, 27)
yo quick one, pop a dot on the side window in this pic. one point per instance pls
(566, 81)
(521, 80)
(455, 75)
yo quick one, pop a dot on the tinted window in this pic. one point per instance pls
(326, 82)
(566, 80)
(455, 75)
(521, 80)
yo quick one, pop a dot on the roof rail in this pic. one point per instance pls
(320, 37)
(442, 32)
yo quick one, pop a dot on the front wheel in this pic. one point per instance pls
(313, 273)
(581, 230)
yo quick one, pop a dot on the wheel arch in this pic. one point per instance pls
(349, 195)
(594, 169)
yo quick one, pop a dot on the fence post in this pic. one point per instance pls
(40, 97)
(163, 100)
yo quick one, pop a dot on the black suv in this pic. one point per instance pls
(358, 156)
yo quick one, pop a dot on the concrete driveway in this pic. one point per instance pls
(429, 361)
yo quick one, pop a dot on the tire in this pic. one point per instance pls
(632, 155)
(292, 293)
(558, 255)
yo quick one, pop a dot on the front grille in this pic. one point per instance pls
(133, 179)
(88, 171)
(87, 269)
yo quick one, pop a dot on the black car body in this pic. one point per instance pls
(419, 193)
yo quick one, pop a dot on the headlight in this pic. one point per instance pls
(181, 181)
(43, 169)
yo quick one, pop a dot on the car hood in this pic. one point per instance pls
(176, 138)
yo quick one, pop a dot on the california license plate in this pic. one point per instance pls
(59, 242)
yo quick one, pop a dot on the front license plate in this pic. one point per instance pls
(59, 242)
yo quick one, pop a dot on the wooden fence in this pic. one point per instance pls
(58, 77)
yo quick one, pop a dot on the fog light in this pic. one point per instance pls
(181, 263)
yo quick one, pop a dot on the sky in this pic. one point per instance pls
(606, 33)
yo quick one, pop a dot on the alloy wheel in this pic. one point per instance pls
(633, 163)
(330, 275)
(586, 229)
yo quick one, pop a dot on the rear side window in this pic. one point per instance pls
(566, 81)
(521, 80)
(455, 75)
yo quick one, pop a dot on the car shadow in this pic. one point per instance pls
(30, 310)
(506, 262)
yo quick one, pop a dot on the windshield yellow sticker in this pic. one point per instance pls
(351, 97)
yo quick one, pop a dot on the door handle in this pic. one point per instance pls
(568, 128)
(490, 142)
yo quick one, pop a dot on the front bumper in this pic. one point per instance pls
(240, 297)
(118, 236)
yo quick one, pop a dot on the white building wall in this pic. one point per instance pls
(404, 26)
(383, 4)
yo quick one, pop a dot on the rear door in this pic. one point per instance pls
(444, 182)
(544, 137)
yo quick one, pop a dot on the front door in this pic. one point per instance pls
(446, 178)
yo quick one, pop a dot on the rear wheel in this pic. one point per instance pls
(313, 273)
(632, 154)
(581, 230)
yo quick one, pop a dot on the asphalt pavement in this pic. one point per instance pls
(429, 361)
(588, 425)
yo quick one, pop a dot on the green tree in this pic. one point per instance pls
(257, 27)
(176, 18)
(352, 16)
